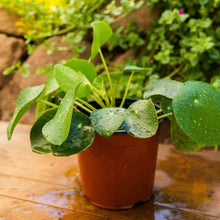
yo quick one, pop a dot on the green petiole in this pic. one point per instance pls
(48, 103)
(159, 111)
(126, 90)
(86, 103)
(96, 91)
(165, 115)
(109, 78)
(98, 100)
(82, 106)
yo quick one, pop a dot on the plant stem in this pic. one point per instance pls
(86, 103)
(126, 90)
(175, 71)
(159, 111)
(102, 95)
(164, 116)
(116, 86)
(95, 7)
(109, 78)
(216, 148)
(83, 107)
(98, 100)
(48, 103)
(179, 34)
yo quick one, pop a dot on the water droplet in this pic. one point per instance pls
(196, 100)
(79, 125)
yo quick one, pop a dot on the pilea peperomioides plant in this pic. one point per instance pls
(63, 128)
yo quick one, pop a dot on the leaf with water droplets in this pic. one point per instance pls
(180, 140)
(196, 108)
(166, 106)
(166, 88)
(107, 120)
(25, 100)
(57, 129)
(82, 66)
(51, 84)
(81, 136)
(142, 119)
(39, 143)
(67, 78)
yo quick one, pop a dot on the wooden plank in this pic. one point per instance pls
(194, 181)
(149, 211)
(48, 194)
(15, 209)
(17, 159)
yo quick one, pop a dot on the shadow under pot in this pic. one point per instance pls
(117, 172)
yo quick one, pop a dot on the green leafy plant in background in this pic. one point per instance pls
(41, 20)
(183, 42)
(66, 122)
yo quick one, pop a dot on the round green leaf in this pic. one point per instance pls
(101, 33)
(163, 87)
(166, 106)
(107, 120)
(83, 66)
(180, 140)
(81, 136)
(196, 108)
(39, 143)
(67, 78)
(142, 119)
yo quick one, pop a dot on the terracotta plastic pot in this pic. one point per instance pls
(118, 172)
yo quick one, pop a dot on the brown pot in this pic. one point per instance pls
(118, 172)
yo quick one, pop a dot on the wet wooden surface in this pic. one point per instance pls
(32, 186)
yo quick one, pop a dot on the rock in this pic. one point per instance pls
(40, 58)
(123, 57)
(11, 51)
(7, 23)
(10, 92)
(7, 105)
(141, 16)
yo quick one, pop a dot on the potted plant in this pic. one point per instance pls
(116, 138)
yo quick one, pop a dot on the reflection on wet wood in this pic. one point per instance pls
(187, 186)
